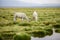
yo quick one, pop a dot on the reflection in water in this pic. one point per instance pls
(54, 36)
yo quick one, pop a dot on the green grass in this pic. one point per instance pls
(22, 36)
(47, 18)
(0, 37)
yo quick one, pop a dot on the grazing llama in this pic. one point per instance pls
(35, 16)
(20, 15)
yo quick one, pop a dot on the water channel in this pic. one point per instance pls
(54, 36)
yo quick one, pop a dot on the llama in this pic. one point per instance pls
(20, 15)
(35, 16)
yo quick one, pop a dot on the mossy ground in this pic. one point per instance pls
(47, 17)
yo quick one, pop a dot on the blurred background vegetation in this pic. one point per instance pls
(47, 19)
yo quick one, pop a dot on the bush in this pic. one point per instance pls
(18, 37)
(22, 36)
(24, 24)
(0, 37)
(57, 30)
(38, 33)
(27, 29)
(46, 23)
(56, 26)
(6, 23)
(49, 31)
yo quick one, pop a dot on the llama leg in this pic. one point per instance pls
(36, 19)
(22, 19)
(14, 18)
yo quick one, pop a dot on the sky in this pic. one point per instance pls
(29, 3)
